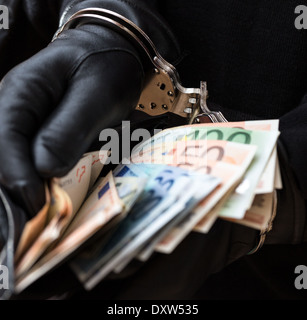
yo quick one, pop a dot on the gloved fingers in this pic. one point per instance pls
(102, 92)
(28, 93)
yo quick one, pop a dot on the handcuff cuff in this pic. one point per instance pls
(163, 92)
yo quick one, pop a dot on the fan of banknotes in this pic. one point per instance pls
(181, 180)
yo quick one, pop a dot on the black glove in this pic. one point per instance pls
(54, 105)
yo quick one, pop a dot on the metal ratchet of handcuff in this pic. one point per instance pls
(162, 91)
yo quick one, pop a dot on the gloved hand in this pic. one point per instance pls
(53, 106)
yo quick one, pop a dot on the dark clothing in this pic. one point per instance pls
(249, 52)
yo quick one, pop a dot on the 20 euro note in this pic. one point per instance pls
(119, 260)
(171, 235)
(96, 214)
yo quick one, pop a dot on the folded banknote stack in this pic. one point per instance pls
(180, 181)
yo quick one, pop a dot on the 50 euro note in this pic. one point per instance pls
(198, 154)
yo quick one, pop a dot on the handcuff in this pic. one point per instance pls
(163, 91)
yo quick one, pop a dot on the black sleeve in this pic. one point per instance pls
(290, 223)
(293, 127)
